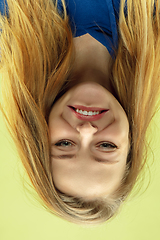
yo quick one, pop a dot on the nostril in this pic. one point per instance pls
(93, 126)
(87, 127)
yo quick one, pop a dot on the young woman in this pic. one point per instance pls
(80, 87)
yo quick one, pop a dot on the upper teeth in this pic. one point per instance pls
(90, 113)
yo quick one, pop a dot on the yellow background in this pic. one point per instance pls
(23, 218)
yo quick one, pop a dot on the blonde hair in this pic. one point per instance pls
(36, 59)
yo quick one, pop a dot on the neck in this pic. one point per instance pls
(92, 62)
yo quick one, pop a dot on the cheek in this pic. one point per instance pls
(62, 176)
(58, 128)
(54, 127)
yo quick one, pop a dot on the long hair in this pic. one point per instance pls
(36, 59)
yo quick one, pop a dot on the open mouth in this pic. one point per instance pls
(88, 113)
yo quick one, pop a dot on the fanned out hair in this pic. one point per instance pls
(36, 59)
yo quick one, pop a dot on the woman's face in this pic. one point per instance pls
(88, 150)
(89, 131)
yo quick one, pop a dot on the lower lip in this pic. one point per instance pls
(88, 118)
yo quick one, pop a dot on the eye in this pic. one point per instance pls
(106, 146)
(64, 143)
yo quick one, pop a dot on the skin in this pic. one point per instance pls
(84, 164)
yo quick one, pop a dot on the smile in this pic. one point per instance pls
(88, 113)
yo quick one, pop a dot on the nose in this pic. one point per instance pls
(86, 127)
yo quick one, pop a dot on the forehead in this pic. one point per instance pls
(87, 178)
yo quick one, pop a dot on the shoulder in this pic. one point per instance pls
(116, 6)
(3, 7)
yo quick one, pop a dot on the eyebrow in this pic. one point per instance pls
(95, 158)
(62, 156)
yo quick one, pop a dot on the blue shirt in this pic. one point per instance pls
(99, 18)
(3, 6)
